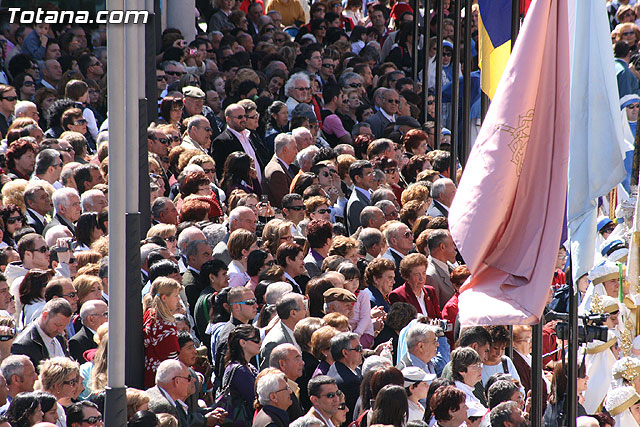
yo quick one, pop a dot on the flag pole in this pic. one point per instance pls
(572, 388)
(535, 417)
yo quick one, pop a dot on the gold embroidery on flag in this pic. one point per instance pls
(520, 134)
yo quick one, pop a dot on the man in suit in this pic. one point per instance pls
(325, 398)
(288, 359)
(361, 173)
(93, 314)
(278, 173)
(346, 351)
(290, 257)
(43, 338)
(443, 191)
(291, 309)
(172, 388)
(275, 396)
(66, 201)
(197, 253)
(194, 99)
(48, 167)
(400, 241)
(387, 113)
(198, 135)
(319, 236)
(234, 138)
(442, 252)
(38, 203)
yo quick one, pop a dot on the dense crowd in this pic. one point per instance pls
(298, 268)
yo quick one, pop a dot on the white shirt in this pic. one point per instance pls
(237, 274)
(243, 137)
(387, 116)
(53, 345)
(420, 297)
(326, 421)
(443, 265)
(471, 400)
(416, 411)
(367, 193)
(40, 217)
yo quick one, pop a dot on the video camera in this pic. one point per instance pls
(590, 330)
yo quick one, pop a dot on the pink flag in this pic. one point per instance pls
(507, 215)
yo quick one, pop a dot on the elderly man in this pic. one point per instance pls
(26, 109)
(443, 191)
(20, 375)
(198, 134)
(194, 99)
(303, 138)
(234, 138)
(422, 346)
(93, 201)
(372, 217)
(196, 253)
(67, 209)
(338, 300)
(48, 167)
(43, 338)
(241, 217)
(278, 174)
(274, 395)
(361, 173)
(163, 211)
(38, 203)
(298, 90)
(373, 242)
(400, 241)
(325, 398)
(51, 74)
(346, 351)
(443, 253)
(387, 113)
(288, 359)
(93, 313)
(291, 309)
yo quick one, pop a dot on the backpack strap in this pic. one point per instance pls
(505, 365)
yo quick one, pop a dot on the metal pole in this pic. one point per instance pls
(134, 339)
(115, 401)
(515, 21)
(414, 47)
(425, 66)
(573, 349)
(535, 416)
(455, 89)
(466, 86)
(438, 125)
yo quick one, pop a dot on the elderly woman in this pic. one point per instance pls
(413, 269)
(60, 376)
(415, 142)
(241, 243)
(21, 157)
(168, 234)
(466, 371)
(449, 407)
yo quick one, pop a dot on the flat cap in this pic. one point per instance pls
(193, 92)
(338, 294)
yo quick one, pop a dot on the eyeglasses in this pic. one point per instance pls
(93, 420)
(628, 33)
(80, 122)
(105, 314)
(72, 260)
(188, 378)
(325, 174)
(357, 349)
(393, 101)
(633, 106)
(390, 171)
(72, 382)
(355, 85)
(431, 102)
(8, 337)
(43, 249)
(70, 295)
(163, 141)
(10, 98)
(240, 117)
(407, 234)
(14, 219)
(323, 211)
(332, 394)
(283, 389)
(177, 107)
(161, 78)
(303, 88)
(333, 171)
(295, 208)
(477, 365)
(174, 73)
(251, 301)
(342, 406)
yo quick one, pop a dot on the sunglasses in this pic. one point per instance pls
(80, 122)
(72, 382)
(188, 378)
(342, 406)
(332, 394)
(70, 295)
(42, 249)
(171, 239)
(303, 88)
(5, 338)
(431, 102)
(326, 174)
(93, 420)
(447, 54)
(357, 349)
(255, 339)
(355, 85)
(174, 73)
(10, 98)
(251, 301)
(393, 101)
(161, 78)
(14, 219)
(295, 208)
(390, 171)
(323, 211)
(28, 83)
(328, 65)
(407, 234)
(209, 170)
(628, 33)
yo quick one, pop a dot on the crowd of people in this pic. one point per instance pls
(298, 268)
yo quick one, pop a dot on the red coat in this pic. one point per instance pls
(405, 294)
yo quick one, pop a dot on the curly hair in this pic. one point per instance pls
(19, 148)
(444, 400)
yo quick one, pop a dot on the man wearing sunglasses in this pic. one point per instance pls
(325, 398)
(84, 414)
(400, 241)
(361, 173)
(346, 351)
(387, 113)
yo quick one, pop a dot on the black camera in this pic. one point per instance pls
(592, 329)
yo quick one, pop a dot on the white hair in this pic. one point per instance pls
(187, 235)
(418, 333)
(293, 79)
(192, 168)
(306, 155)
(307, 421)
(267, 384)
(439, 187)
(61, 196)
(168, 370)
(55, 232)
(373, 363)
(87, 198)
(282, 141)
(22, 107)
(275, 291)
(88, 308)
(214, 233)
(300, 131)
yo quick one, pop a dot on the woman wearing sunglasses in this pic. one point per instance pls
(13, 220)
(60, 376)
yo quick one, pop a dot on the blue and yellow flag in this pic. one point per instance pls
(494, 34)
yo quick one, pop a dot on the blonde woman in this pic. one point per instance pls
(160, 332)
(168, 233)
(60, 376)
(88, 288)
(94, 372)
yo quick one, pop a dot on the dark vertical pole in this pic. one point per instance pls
(535, 416)
(150, 88)
(438, 125)
(515, 21)
(573, 349)
(414, 47)
(466, 86)
(455, 89)
(425, 66)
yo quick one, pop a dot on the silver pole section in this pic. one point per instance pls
(115, 404)
(455, 91)
(132, 86)
(437, 132)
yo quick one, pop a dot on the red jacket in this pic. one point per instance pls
(405, 294)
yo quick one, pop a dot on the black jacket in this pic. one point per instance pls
(81, 342)
(30, 343)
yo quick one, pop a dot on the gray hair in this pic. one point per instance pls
(235, 214)
(306, 155)
(370, 237)
(281, 352)
(418, 333)
(340, 342)
(61, 197)
(383, 204)
(439, 186)
(349, 75)
(55, 232)
(267, 384)
(368, 214)
(167, 370)
(282, 141)
(307, 421)
(289, 301)
(158, 206)
(192, 248)
(146, 249)
(356, 128)
(165, 64)
(382, 194)
(392, 231)
(214, 234)
(275, 291)
(373, 363)
(185, 237)
(13, 365)
(197, 119)
(45, 159)
(22, 107)
(293, 79)
(87, 199)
